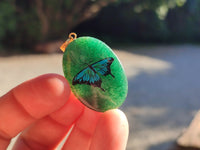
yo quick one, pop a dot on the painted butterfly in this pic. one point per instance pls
(90, 74)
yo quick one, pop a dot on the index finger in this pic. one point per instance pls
(30, 101)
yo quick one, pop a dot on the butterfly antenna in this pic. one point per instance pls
(102, 89)
(86, 64)
(112, 75)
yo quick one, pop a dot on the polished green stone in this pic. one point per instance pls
(86, 65)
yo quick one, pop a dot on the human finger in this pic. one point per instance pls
(82, 133)
(30, 101)
(49, 131)
(97, 131)
(111, 131)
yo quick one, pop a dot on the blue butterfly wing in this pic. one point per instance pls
(103, 66)
(87, 76)
(90, 76)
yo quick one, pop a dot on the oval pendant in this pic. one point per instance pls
(95, 74)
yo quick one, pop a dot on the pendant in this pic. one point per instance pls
(94, 72)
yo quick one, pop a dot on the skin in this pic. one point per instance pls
(43, 109)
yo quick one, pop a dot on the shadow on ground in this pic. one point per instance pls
(163, 94)
(170, 145)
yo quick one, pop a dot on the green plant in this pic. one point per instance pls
(7, 19)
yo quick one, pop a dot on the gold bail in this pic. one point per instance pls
(72, 37)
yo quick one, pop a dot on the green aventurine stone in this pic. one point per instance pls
(95, 74)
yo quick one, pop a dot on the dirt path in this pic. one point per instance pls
(164, 88)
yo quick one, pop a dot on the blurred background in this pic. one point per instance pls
(156, 40)
(25, 24)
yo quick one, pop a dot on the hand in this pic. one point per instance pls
(44, 110)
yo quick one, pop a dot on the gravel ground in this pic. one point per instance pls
(164, 88)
